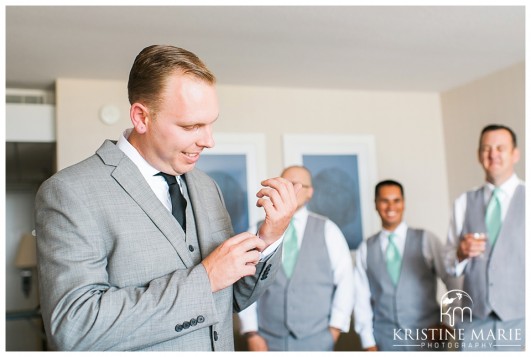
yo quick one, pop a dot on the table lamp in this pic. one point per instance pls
(26, 260)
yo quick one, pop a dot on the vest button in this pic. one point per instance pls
(215, 335)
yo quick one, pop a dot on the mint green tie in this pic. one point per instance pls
(493, 217)
(392, 259)
(291, 250)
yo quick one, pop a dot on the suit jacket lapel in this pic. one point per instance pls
(131, 180)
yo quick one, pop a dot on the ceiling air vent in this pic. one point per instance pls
(29, 96)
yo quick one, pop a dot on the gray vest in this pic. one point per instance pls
(413, 303)
(496, 281)
(301, 305)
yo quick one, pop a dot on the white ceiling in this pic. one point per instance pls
(402, 48)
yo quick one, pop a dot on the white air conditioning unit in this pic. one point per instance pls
(30, 116)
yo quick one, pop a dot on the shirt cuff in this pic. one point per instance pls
(267, 252)
(367, 340)
(460, 267)
(340, 322)
(248, 326)
(248, 319)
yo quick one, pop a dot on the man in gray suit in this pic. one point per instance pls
(486, 245)
(117, 270)
(310, 302)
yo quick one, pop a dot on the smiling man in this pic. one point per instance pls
(136, 249)
(493, 267)
(396, 279)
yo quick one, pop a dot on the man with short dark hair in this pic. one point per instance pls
(396, 279)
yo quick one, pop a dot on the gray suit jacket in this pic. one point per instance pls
(115, 272)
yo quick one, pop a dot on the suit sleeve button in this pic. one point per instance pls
(178, 328)
(193, 322)
(200, 319)
(186, 324)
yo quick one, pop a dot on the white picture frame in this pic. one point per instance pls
(329, 157)
(237, 163)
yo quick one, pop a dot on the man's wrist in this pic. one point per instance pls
(250, 334)
(460, 255)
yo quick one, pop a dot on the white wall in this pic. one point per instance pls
(407, 128)
(80, 132)
(498, 98)
(30, 122)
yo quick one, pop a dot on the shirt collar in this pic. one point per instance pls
(507, 188)
(400, 231)
(301, 213)
(145, 168)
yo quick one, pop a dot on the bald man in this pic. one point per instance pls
(310, 302)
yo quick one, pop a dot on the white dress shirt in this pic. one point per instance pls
(341, 260)
(363, 315)
(506, 192)
(158, 183)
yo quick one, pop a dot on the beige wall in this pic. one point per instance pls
(407, 128)
(80, 132)
(498, 98)
(393, 118)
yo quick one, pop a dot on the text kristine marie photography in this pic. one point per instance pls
(456, 312)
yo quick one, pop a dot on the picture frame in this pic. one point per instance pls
(237, 163)
(344, 173)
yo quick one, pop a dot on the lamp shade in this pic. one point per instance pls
(27, 252)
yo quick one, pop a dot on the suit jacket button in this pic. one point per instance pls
(178, 328)
(190, 248)
(186, 324)
(215, 335)
(200, 319)
(193, 322)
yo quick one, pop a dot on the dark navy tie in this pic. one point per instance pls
(178, 202)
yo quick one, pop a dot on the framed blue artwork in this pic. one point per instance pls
(237, 164)
(343, 173)
(230, 173)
